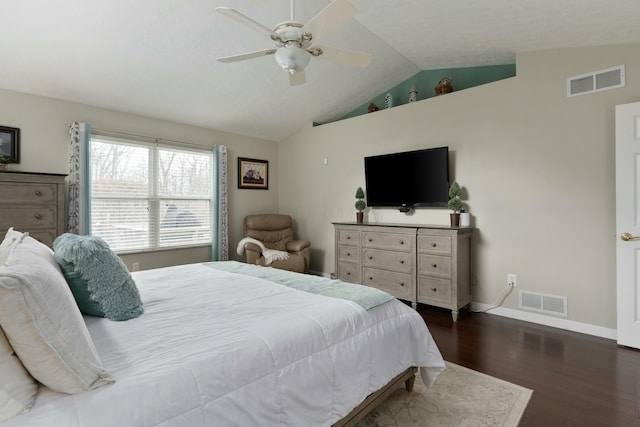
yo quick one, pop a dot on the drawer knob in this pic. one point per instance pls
(401, 283)
(434, 265)
(402, 242)
(38, 216)
(348, 237)
(348, 253)
(370, 239)
(348, 273)
(434, 244)
(370, 257)
(401, 261)
(370, 278)
(38, 193)
(434, 289)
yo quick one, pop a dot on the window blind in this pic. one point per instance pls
(146, 196)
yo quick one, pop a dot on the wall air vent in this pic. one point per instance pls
(596, 81)
(544, 303)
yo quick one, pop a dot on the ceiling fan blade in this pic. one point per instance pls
(296, 79)
(337, 13)
(246, 21)
(344, 56)
(249, 55)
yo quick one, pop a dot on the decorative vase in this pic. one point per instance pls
(455, 219)
(359, 217)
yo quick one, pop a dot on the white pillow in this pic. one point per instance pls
(11, 240)
(17, 388)
(43, 324)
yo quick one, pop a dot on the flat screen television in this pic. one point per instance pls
(407, 180)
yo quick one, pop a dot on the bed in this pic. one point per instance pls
(225, 343)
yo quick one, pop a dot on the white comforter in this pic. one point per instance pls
(223, 349)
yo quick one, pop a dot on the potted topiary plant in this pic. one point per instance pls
(455, 204)
(360, 205)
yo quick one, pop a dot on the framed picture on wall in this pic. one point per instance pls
(10, 144)
(253, 173)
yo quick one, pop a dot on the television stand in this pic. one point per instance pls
(406, 209)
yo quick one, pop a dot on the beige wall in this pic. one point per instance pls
(537, 169)
(43, 124)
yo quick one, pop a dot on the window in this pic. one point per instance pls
(146, 197)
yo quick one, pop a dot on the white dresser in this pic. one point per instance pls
(33, 202)
(417, 263)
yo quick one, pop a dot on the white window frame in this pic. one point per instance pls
(154, 199)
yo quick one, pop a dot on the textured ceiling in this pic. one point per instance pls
(157, 58)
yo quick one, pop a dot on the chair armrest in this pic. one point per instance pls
(252, 253)
(252, 247)
(297, 245)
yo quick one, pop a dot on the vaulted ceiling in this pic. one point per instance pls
(157, 58)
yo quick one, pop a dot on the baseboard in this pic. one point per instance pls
(554, 322)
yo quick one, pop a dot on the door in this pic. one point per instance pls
(628, 223)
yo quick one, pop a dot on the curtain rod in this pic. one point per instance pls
(157, 140)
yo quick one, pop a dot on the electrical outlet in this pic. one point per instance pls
(511, 280)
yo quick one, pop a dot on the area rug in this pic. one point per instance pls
(460, 397)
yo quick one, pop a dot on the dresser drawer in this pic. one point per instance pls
(348, 237)
(434, 265)
(349, 253)
(437, 245)
(28, 194)
(45, 236)
(399, 285)
(393, 242)
(28, 218)
(395, 261)
(349, 272)
(434, 291)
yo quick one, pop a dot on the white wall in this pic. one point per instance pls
(537, 169)
(44, 147)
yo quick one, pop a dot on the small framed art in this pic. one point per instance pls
(253, 173)
(10, 144)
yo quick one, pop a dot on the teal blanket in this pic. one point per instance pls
(364, 296)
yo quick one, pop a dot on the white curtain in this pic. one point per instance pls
(78, 218)
(220, 220)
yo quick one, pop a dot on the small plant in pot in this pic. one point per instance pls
(360, 205)
(455, 204)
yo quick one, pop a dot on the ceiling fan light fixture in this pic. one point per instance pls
(292, 58)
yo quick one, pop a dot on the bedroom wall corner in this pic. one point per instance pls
(537, 168)
(43, 124)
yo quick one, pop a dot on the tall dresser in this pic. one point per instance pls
(416, 263)
(33, 202)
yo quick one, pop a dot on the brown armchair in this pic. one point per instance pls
(275, 231)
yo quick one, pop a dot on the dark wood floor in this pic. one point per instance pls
(577, 379)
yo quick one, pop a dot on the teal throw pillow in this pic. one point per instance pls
(99, 281)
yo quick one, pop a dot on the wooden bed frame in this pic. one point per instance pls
(374, 399)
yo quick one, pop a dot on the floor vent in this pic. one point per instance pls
(596, 81)
(544, 303)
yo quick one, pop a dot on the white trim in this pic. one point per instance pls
(554, 322)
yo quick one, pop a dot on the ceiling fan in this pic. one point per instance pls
(293, 40)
